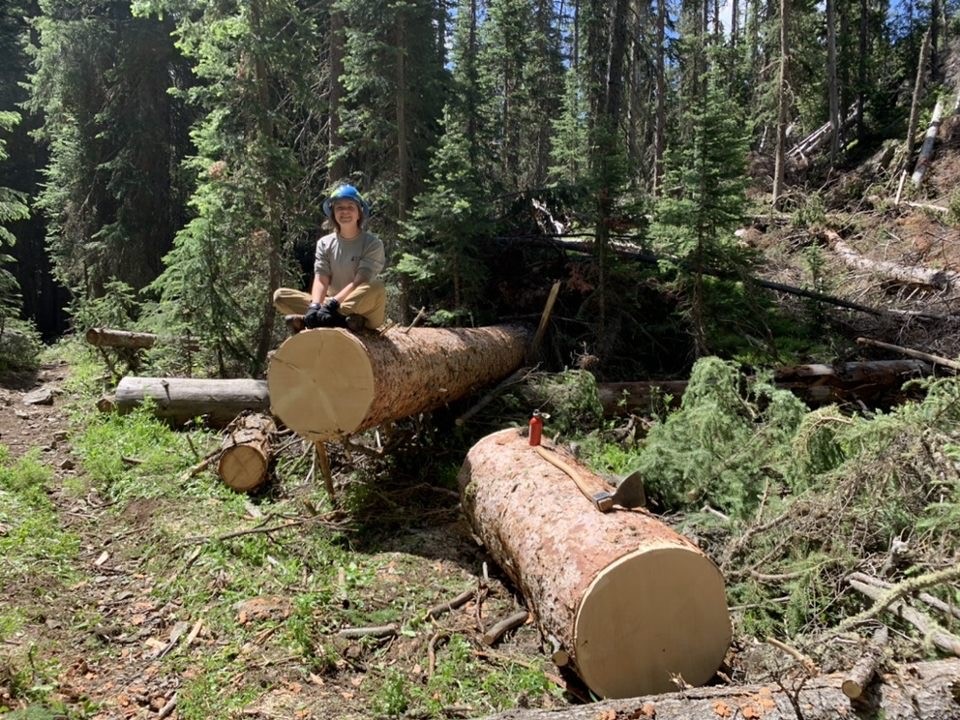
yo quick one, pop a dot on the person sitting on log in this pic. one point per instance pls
(346, 291)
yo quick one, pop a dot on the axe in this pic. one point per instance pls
(629, 491)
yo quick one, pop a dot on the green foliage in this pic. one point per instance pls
(111, 193)
(257, 174)
(811, 214)
(19, 341)
(695, 221)
(720, 446)
(117, 307)
(569, 398)
(446, 226)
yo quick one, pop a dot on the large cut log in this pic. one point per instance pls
(816, 384)
(919, 691)
(179, 400)
(328, 383)
(631, 603)
(108, 337)
(245, 452)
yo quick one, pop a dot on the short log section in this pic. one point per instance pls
(245, 452)
(178, 400)
(328, 383)
(633, 604)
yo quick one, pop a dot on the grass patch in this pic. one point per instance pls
(32, 545)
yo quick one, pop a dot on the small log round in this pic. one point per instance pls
(327, 383)
(634, 605)
(245, 453)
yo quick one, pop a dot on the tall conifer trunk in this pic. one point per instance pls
(272, 238)
(338, 164)
(782, 95)
(403, 162)
(659, 140)
(833, 100)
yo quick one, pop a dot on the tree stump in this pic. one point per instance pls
(634, 605)
(245, 452)
(327, 383)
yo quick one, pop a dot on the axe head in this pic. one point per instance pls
(630, 492)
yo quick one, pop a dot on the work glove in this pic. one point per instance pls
(331, 313)
(314, 317)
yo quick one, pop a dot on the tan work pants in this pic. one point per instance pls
(368, 300)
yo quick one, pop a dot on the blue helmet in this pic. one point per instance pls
(345, 192)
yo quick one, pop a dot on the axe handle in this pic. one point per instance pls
(601, 501)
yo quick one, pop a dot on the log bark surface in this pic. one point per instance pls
(109, 337)
(178, 400)
(920, 691)
(908, 274)
(630, 601)
(245, 452)
(329, 382)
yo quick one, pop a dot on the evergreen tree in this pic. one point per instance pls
(112, 195)
(694, 222)
(439, 242)
(259, 168)
(394, 87)
(522, 80)
(13, 207)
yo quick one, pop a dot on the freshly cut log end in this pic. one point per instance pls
(656, 615)
(327, 383)
(245, 452)
(633, 605)
(321, 383)
(243, 468)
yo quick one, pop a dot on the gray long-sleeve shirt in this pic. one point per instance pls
(343, 260)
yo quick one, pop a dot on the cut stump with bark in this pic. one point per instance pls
(327, 383)
(179, 400)
(245, 452)
(633, 604)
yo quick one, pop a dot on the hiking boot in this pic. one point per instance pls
(356, 323)
(294, 323)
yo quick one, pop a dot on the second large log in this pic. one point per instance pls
(328, 383)
(634, 606)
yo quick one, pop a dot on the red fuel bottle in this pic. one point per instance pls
(536, 428)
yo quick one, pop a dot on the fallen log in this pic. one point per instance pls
(926, 150)
(630, 602)
(179, 400)
(245, 452)
(907, 274)
(109, 337)
(328, 383)
(935, 359)
(918, 691)
(816, 384)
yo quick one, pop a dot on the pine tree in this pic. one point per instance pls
(13, 207)
(18, 344)
(438, 257)
(115, 135)
(394, 87)
(695, 220)
(522, 80)
(259, 166)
